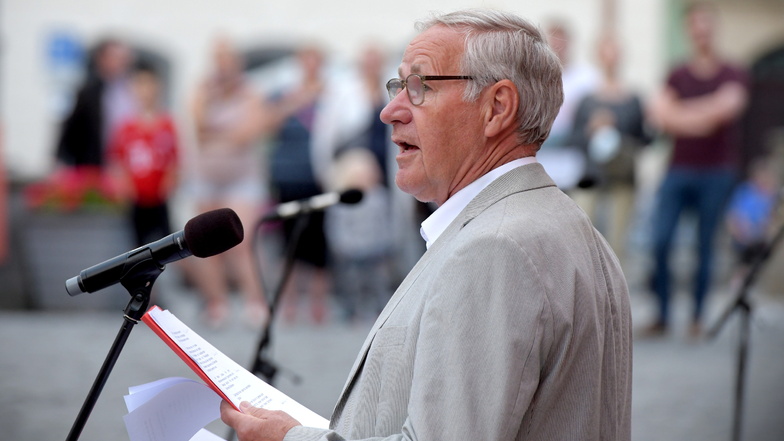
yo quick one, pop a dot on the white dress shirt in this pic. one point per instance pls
(436, 223)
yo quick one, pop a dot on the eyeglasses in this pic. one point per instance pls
(415, 85)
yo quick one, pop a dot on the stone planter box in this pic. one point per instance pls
(57, 246)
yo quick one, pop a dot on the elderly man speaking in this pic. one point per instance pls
(515, 323)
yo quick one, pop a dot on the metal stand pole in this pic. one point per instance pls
(139, 283)
(743, 305)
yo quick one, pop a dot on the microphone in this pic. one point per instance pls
(316, 203)
(205, 235)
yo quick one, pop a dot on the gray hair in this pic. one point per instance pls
(500, 45)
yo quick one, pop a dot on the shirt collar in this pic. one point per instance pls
(436, 223)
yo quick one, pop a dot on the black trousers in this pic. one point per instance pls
(150, 223)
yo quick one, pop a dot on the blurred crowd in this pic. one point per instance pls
(604, 125)
(250, 150)
(253, 149)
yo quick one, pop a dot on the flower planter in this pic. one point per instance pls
(57, 246)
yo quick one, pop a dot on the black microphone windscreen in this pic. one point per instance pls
(352, 196)
(213, 232)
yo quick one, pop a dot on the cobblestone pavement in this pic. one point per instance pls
(683, 389)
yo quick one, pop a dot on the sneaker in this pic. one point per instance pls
(655, 330)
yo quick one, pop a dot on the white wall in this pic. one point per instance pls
(182, 30)
(751, 29)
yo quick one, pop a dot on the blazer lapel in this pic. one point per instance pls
(400, 292)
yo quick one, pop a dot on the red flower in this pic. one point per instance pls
(72, 188)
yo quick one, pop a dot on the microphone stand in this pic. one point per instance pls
(138, 281)
(261, 364)
(743, 305)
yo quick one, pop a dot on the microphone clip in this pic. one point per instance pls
(141, 274)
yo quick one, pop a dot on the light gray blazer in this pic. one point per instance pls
(514, 325)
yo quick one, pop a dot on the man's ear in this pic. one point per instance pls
(501, 113)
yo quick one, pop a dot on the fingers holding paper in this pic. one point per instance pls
(256, 424)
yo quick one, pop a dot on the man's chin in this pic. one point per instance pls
(405, 184)
(408, 186)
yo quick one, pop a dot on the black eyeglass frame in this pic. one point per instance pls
(404, 84)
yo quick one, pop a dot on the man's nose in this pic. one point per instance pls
(397, 110)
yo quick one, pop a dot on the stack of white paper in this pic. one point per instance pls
(171, 409)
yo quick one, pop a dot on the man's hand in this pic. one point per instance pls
(255, 424)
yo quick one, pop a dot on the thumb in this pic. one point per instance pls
(247, 409)
(231, 416)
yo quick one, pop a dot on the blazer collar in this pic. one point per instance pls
(524, 178)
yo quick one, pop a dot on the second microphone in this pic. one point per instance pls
(320, 202)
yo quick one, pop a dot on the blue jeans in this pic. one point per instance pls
(705, 192)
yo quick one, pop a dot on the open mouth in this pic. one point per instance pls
(406, 146)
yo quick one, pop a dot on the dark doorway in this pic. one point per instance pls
(765, 116)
